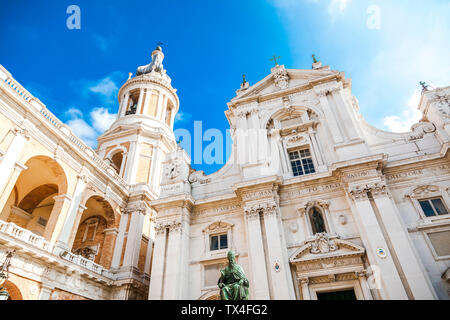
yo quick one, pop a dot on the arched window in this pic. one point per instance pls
(317, 221)
(116, 160)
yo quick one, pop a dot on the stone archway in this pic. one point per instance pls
(13, 290)
(33, 203)
(94, 237)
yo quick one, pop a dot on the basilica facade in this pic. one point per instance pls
(314, 202)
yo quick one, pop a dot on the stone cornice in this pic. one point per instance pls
(307, 86)
(178, 201)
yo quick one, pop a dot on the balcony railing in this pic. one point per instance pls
(36, 241)
(26, 236)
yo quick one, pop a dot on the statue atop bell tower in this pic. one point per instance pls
(155, 65)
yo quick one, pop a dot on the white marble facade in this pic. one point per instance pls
(366, 184)
(359, 209)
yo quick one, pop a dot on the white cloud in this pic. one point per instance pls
(74, 113)
(106, 87)
(102, 119)
(335, 7)
(409, 116)
(83, 130)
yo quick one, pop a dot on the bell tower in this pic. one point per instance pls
(136, 144)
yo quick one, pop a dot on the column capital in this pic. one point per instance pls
(160, 229)
(20, 166)
(113, 231)
(361, 274)
(83, 178)
(304, 281)
(358, 193)
(378, 189)
(62, 198)
(21, 131)
(266, 208)
(132, 210)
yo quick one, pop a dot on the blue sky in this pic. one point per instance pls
(386, 47)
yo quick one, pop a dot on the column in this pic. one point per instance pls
(148, 254)
(329, 115)
(372, 236)
(76, 224)
(176, 278)
(414, 272)
(18, 168)
(57, 216)
(161, 101)
(124, 105)
(123, 163)
(9, 160)
(46, 291)
(138, 107)
(147, 95)
(362, 278)
(108, 247)
(343, 110)
(172, 118)
(134, 238)
(316, 150)
(74, 211)
(305, 288)
(260, 283)
(119, 241)
(133, 160)
(162, 115)
(241, 138)
(281, 278)
(157, 275)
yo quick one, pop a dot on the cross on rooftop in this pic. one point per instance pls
(274, 59)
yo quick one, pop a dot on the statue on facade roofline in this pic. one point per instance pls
(232, 283)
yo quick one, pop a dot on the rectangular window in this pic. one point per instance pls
(301, 161)
(433, 207)
(219, 242)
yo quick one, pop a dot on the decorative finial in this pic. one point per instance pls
(129, 75)
(314, 58)
(274, 59)
(424, 85)
(243, 79)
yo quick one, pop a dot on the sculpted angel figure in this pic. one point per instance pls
(232, 283)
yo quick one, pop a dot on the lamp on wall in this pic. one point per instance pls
(4, 275)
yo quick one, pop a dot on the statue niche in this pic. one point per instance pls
(317, 221)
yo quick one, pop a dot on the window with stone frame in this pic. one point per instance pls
(431, 202)
(433, 207)
(301, 162)
(218, 242)
(218, 238)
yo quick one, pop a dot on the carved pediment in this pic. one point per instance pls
(280, 79)
(424, 191)
(217, 227)
(323, 246)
